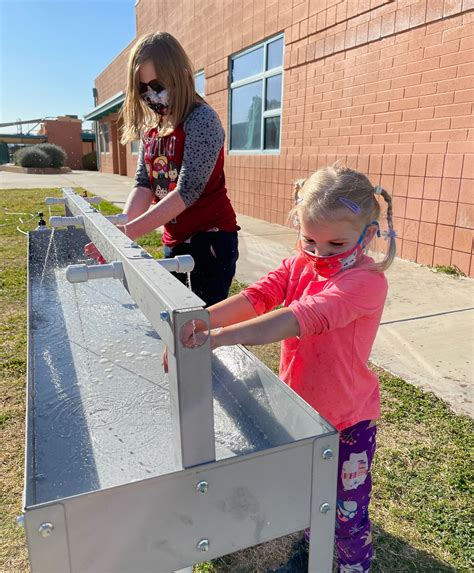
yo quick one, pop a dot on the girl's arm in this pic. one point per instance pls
(168, 208)
(232, 310)
(272, 327)
(138, 202)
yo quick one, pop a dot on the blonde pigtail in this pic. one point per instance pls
(390, 235)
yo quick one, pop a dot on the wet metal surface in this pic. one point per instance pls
(98, 412)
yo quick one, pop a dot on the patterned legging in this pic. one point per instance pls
(354, 485)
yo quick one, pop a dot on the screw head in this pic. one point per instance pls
(202, 487)
(164, 315)
(46, 529)
(327, 454)
(203, 545)
(324, 507)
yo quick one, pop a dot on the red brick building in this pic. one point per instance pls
(66, 131)
(382, 85)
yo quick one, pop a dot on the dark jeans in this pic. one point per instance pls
(215, 255)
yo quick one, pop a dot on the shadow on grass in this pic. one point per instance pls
(395, 555)
(392, 555)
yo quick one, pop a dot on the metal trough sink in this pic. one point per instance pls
(105, 485)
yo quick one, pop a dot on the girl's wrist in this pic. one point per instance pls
(218, 337)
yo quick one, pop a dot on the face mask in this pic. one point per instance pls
(156, 101)
(330, 265)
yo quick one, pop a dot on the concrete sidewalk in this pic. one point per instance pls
(427, 331)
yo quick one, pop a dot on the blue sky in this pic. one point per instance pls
(52, 50)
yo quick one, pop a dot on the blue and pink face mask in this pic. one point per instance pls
(329, 265)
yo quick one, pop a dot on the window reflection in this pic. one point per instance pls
(199, 83)
(275, 54)
(247, 65)
(272, 133)
(273, 96)
(246, 117)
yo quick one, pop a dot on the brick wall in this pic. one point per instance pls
(66, 132)
(382, 85)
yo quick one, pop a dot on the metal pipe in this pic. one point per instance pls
(83, 273)
(178, 264)
(67, 221)
(78, 221)
(121, 219)
(114, 270)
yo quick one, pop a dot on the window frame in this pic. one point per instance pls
(262, 76)
(137, 141)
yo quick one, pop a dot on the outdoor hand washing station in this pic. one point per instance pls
(129, 468)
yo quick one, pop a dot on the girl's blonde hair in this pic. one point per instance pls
(338, 192)
(174, 71)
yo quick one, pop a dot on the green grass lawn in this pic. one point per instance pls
(423, 476)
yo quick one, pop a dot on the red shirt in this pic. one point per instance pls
(163, 158)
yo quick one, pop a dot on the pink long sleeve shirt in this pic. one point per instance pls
(338, 319)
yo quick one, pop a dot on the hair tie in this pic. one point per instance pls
(390, 234)
(378, 190)
(350, 204)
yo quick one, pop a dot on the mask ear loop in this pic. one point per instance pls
(364, 232)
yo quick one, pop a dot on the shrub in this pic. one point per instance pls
(57, 155)
(89, 161)
(31, 156)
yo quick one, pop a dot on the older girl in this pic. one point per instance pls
(179, 182)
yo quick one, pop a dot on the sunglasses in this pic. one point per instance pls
(154, 85)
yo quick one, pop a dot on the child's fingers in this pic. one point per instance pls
(91, 251)
(90, 248)
(189, 332)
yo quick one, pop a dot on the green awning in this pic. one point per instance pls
(111, 105)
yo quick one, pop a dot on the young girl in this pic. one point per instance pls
(179, 182)
(333, 296)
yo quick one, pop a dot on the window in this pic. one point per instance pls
(104, 137)
(200, 83)
(256, 97)
(135, 147)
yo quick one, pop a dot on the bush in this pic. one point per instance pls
(31, 156)
(57, 155)
(89, 161)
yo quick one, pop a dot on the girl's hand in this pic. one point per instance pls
(191, 339)
(197, 339)
(91, 251)
(191, 334)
